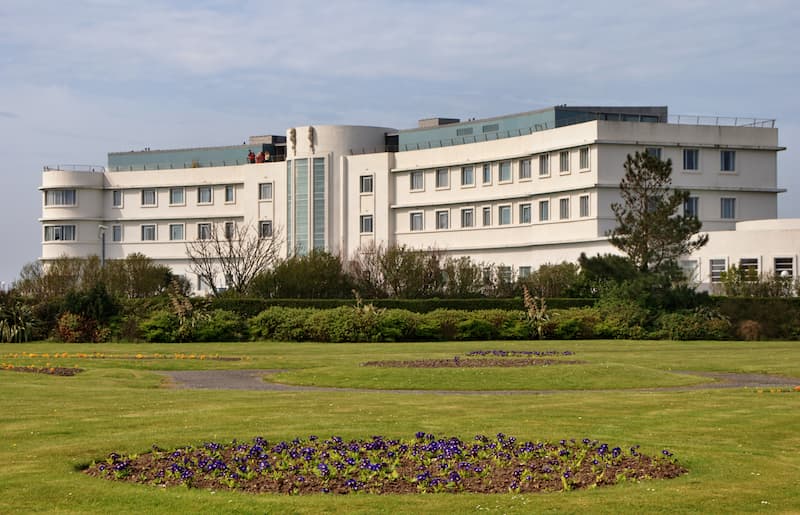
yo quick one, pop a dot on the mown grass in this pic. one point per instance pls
(740, 445)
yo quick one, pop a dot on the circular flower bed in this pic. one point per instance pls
(381, 465)
(483, 358)
(53, 371)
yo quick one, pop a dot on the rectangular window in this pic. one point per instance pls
(149, 232)
(689, 269)
(583, 204)
(467, 217)
(563, 209)
(504, 215)
(727, 160)
(365, 184)
(544, 210)
(784, 267)
(544, 165)
(148, 197)
(116, 198)
(504, 273)
(265, 191)
(467, 176)
(176, 232)
(717, 267)
(365, 224)
(176, 196)
(116, 233)
(525, 213)
(690, 207)
(505, 171)
(563, 161)
(204, 195)
(59, 198)
(230, 194)
(584, 158)
(487, 173)
(265, 228)
(59, 232)
(654, 152)
(415, 221)
(443, 219)
(691, 159)
(749, 267)
(727, 208)
(525, 169)
(417, 181)
(487, 216)
(229, 230)
(204, 231)
(442, 178)
(524, 271)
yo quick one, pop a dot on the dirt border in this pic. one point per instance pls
(257, 380)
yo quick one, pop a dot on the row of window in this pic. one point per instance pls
(149, 231)
(177, 195)
(782, 267)
(727, 207)
(691, 158)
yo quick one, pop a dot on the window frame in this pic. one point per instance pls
(525, 169)
(366, 224)
(716, 267)
(265, 229)
(544, 209)
(172, 235)
(442, 178)
(467, 176)
(145, 230)
(525, 213)
(584, 206)
(691, 157)
(366, 184)
(182, 191)
(57, 197)
(116, 233)
(200, 191)
(442, 219)
(731, 204)
(265, 191)
(656, 152)
(114, 195)
(563, 162)
(230, 199)
(584, 159)
(504, 212)
(62, 231)
(727, 161)
(229, 230)
(416, 221)
(509, 176)
(563, 208)
(544, 165)
(467, 217)
(486, 216)
(144, 197)
(486, 174)
(204, 231)
(691, 207)
(413, 176)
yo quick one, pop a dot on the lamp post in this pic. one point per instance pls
(101, 230)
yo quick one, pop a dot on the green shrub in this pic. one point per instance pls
(220, 326)
(76, 328)
(395, 325)
(161, 326)
(694, 325)
(574, 324)
(278, 323)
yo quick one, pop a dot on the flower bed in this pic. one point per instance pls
(138, 356)
(379, 465)
(53, 371)
(457, 362)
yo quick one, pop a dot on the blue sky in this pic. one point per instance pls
(81, 78)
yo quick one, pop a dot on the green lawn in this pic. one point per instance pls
(741, 446)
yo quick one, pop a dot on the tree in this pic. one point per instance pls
(649, 229)
(319, 274)
(239, 254)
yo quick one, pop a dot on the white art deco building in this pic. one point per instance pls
(519, 190)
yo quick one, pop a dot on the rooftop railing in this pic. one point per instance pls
(726, 121)
(74, 168)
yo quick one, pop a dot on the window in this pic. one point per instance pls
(727, 160)
(265, 191)
(265, 228)
(365, 224)
(584, 158)
(415, 221)
(544, 165)
(784, 267)
(504, 273)
(505, 171)
(59, 198)
(230, 194)
(717, 267)
(524, 271)
(654, 152)
(749, 268)
(525, 169)
(563, 209)
(487, 216)
(116, 233)
(690, 207)
(149, 232)
(464, 131)
(492, 127)
(689, 268)
(365, 184)
(544, 210)
(504, 215)
(204, 195)
(467, 176)
(583, 205)
(176, 196)
(442, 178)
(148, 197)
(175, 232)
(691, 159)
(229, 230)
(524, 213)
(727, 208)
(204, 231)
(563, 161)
(467, 217)
(417, 181)
(59, 232)
(116, 198)
(443, 219)
(487, 173)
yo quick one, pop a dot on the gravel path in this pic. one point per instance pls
(255, 380)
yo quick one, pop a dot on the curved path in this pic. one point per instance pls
(255, 380)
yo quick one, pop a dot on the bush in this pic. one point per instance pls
(278, 323)
(749, 330)
(75, 328)
(220, 326)
(694, 325)
(161, 326)
(573, 324)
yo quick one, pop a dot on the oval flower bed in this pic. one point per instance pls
(53, 371)
(483, 358)
(381, 465)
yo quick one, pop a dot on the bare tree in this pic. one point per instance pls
(238, 252)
